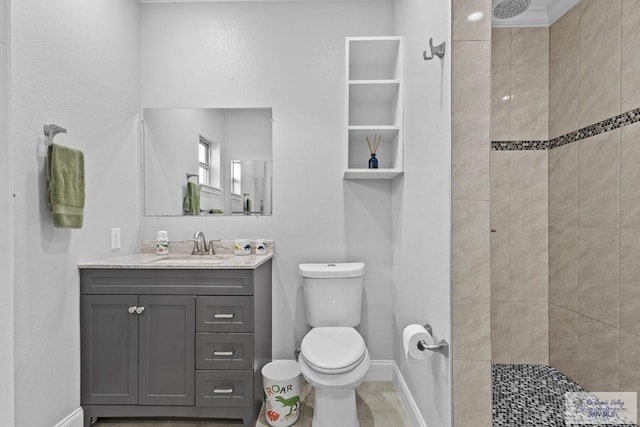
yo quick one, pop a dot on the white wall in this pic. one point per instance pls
(421, 201)
(6, 247)
(288, 56)
(75, 64)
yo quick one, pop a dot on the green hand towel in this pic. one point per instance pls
(191, 203)
(65, 185)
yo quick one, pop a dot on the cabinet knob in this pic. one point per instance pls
(223, 390)
(139, 310)
(132, 309)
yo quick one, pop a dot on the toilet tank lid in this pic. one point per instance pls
(345, 269)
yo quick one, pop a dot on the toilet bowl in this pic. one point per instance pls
(334, 360)
(333, 356)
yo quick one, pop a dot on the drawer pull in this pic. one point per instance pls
(223, 353)
(223, 390)
(223, 316)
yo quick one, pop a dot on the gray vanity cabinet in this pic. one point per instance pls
(109, 349)
(174, 343)
(140, 349)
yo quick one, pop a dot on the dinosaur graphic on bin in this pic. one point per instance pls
(292, 403)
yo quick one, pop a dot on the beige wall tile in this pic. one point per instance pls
(471, 280)
(630, 175)
(500, 170)
(462, 28)
(563, 267)
(529, 102)
(563, 186)
(564, 65)
(500, 102)
(501, 46)
(470, 171)
(529, 333)
(630, 280)
(630, 61)
(530, 46)
(599, 60)
(564, 34)
(500, 288)
(470, 120)
(563, 93)
(500, 332)
(630, 255)
(500, 223)
(599, 177)
(528, 189)
(630, 307)
(472, 328)
(598, 274)
(629, 362)
(471, 249)
(563, 340)
(597, 355)
(529, 271)
(472, 393)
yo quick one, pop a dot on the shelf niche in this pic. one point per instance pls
(374, 106)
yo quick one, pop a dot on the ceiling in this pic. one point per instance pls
(541, 13)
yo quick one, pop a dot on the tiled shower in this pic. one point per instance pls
(565, 195)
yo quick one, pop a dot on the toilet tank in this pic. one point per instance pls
(333, 293)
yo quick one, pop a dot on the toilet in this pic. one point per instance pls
(333, 356)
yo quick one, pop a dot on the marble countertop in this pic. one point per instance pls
(181, 261)
(224, 259)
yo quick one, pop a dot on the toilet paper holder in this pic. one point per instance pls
(442, 347)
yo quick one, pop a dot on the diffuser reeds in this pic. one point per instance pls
(376, 142)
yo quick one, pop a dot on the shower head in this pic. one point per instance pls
(509, 8)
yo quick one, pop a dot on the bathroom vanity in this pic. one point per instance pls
(175, 336)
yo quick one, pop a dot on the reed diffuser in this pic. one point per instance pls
(373, 161)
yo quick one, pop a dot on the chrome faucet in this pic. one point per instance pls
(198, 238)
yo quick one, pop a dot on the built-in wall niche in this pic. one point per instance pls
(227, 152)
(374, 106)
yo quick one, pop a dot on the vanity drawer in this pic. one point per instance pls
(229, 389)
(224, 314)
(224, 351)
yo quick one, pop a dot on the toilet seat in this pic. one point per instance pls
(333, 350)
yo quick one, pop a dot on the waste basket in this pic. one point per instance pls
(281, 386)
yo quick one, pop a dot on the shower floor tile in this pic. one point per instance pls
(531, 396)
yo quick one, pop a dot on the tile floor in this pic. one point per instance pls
(378, 405)
(531, 396)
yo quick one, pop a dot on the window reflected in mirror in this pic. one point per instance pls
(228, 150)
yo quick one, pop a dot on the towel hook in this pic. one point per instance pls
(52, 130)
(193, 175)
(435, 50)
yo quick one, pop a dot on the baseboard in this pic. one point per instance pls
(380, 370)
(411, 408)
(74, 419)
(387, 370)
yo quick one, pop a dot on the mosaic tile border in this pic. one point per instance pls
(604, 126)
(519, 145)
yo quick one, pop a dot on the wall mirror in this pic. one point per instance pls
(207, 161)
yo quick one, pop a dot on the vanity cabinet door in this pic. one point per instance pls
(167, 350)
(109, 361)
